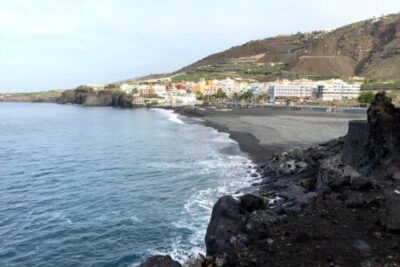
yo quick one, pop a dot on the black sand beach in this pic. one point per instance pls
(262, 132)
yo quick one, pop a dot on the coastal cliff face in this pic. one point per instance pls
(89, 97)
(336, 204)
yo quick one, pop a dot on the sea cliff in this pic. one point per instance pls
(89, 97)
(82, 95)
(334, 204)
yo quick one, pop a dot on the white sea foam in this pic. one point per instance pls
(135, 219)
(61, 216)
(172, 116)
(234, 174)
(234, 180)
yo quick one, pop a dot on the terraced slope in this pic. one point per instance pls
(369, 48)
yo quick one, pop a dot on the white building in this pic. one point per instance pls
(160, 90)
(138, 101)
(127, 87)
(301, 89)
(257, 88)
(210, 91)
(179, 97)
(337, 90)
(96, 86)
(187, 99)
(228, 86)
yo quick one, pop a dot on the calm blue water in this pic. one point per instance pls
(86, 186)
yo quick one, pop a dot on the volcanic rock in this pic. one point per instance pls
(390, 213)
(160, 261)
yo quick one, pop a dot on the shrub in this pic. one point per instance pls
(366, 98)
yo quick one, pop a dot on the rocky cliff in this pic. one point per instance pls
(89, 97)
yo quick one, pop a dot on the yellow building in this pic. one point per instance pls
(243, 85)
(147, 91)
(195, 89)
(202, 85)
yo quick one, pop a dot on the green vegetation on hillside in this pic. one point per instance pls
(380, 85)
(366, 97)
(247, 68)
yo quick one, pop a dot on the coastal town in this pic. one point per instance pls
(164, 92)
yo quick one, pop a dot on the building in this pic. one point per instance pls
(300, 89)
(228, 86)
(138, 101)
(149, 100)
(335, 89)
(95, 86)
(127, 87)
(160, 90)
(186, 99)
(148, 90)
(210, 91)
(257, 88)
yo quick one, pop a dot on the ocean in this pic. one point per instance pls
(99, 186)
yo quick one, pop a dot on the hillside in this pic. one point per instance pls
(369, 48)
(37, 97)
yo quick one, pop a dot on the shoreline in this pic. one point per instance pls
(247, 143)
(255, 130)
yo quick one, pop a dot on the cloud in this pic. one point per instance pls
(11, 61)
(41, 32)
(80, 47)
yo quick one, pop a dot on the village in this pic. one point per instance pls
(164, 92)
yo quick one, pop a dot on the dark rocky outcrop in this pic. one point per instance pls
(354, 148)
(224, 224)
(88, 97)
(390, 212)
(228, 218)
(373, 145)
(160, 261)
(251, 202)
(384, 135)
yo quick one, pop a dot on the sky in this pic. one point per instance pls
(59, 44)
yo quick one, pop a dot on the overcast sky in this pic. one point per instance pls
(48, 44)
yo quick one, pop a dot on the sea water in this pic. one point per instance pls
(99, 186)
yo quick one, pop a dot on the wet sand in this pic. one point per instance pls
(261, 132)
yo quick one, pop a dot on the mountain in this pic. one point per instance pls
(369, 49)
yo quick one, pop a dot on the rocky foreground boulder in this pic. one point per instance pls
(227, 222)
(160, 261)
(383, 137)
